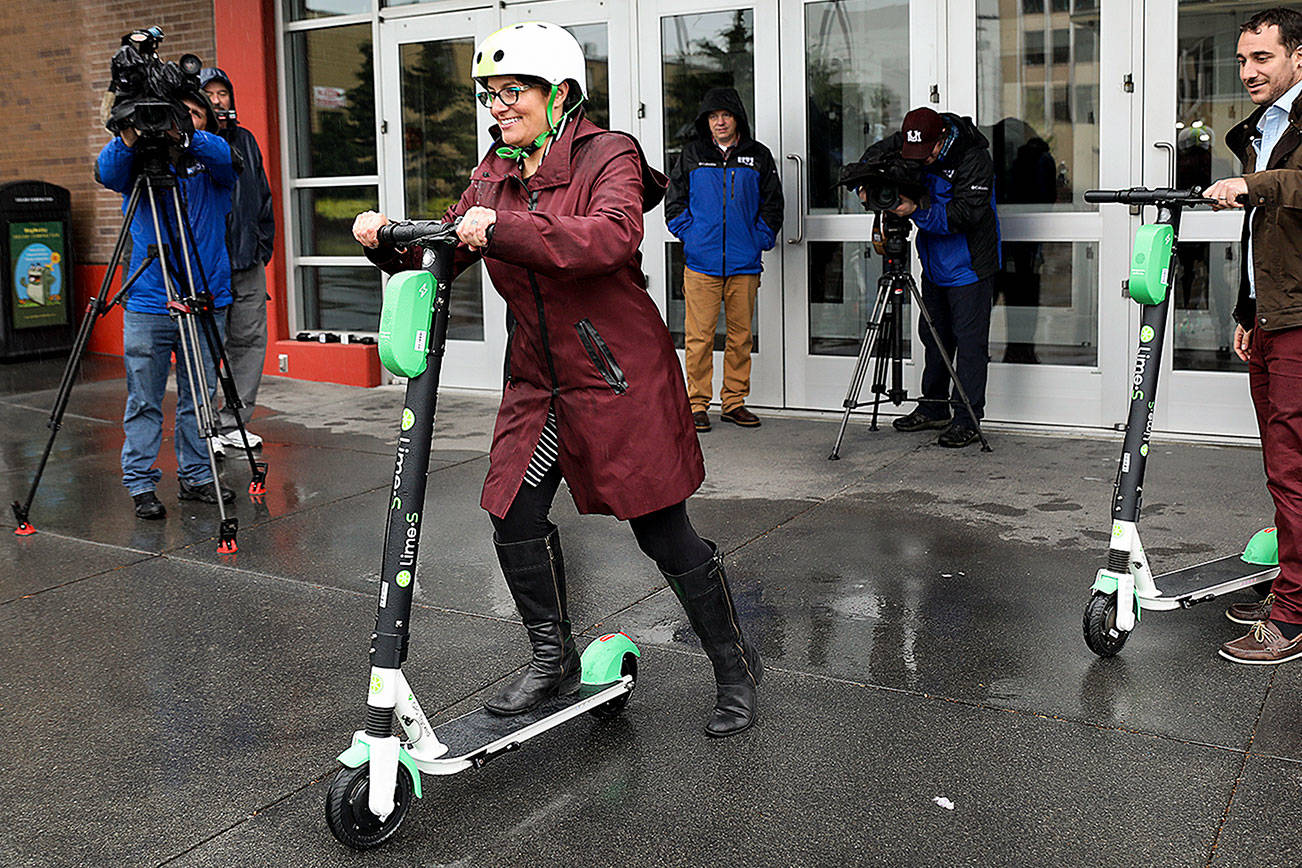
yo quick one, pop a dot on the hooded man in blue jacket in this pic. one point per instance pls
(958, 244)
(250, 236)
(725, 205)
(150, 336)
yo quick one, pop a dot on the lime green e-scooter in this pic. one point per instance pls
(370, 795)
(1126, 586)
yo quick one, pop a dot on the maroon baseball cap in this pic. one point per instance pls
(922, 128)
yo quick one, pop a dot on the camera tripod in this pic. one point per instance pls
(192, 311)
(883, 341)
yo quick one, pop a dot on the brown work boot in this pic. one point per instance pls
(1251, 613)
(701, 420)
(1264, 644)
(740, 416)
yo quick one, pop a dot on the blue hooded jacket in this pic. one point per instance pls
(206, 191)
(726, 209)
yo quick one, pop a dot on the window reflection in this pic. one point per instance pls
(1038, 78)
(332, 82)
(340, 298)
(857, 78)
(1205, 287)
(1048, 292)
(325, 216)
(714, 49)
(842, 293)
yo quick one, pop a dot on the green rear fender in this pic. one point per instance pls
(405, 321)
(603, 659)
(359, 753)
(1263, 548)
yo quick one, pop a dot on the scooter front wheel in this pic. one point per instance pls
(1100, 624)
(347, 813)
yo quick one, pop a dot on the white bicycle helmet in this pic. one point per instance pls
(537, 49)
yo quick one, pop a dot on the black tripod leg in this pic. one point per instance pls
(949, 364)
(191, 354)
(96, 308)
(860, 370)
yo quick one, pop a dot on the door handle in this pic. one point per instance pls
(800, 199)
(1170, 157)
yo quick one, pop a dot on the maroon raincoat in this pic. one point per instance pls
(588, 341)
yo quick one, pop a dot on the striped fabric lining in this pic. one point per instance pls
(545, 453)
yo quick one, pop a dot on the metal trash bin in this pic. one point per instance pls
(36, 285)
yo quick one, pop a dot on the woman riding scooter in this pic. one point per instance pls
(594, 392)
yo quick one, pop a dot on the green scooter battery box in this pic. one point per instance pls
(405, 319)
(1150, 263)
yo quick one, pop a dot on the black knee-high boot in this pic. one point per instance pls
(535, 573)
(738, 669)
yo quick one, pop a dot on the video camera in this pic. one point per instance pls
(149, 92)
(884, 176)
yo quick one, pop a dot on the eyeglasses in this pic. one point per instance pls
(508, 95)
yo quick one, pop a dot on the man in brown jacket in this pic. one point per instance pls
(1269, 313)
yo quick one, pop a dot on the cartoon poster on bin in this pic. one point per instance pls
(36, 250)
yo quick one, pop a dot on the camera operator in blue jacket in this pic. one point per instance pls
(206, 176)
(958, 244)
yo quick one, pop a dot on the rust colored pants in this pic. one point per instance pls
(1275, 376)
(703, 294)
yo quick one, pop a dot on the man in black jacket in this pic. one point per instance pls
(725, 205)
(250, 238)
(958, 244)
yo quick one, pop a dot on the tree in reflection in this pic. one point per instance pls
(439, 136)
(724, 59)
(343, 140)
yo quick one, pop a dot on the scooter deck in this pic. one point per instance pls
(1204, 581)
(477, 736)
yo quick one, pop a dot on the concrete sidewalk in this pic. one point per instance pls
(929, 699)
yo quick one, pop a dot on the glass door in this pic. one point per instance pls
(433, 129)
(687, 47)
(1193, 97)
(860, 65)
(1051, 96)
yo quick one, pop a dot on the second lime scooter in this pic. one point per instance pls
(1126, 586)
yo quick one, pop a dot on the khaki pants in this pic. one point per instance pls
(703, 294)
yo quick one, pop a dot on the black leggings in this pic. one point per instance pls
(666, 535)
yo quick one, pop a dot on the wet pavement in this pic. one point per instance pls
(929, 699)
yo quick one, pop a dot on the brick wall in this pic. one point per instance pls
(54, 63)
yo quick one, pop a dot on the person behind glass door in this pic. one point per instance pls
(594, 391)
(1268, 334)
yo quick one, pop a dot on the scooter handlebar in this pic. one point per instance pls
(405, 232)
(1159, 196)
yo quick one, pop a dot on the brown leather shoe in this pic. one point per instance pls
(702, 420)
(740, 416)
(1263, 644)
(1251, 613)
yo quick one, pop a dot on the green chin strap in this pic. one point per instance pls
(509, 153)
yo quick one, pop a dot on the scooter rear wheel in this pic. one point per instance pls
(1100, 625)
(614, 707)
(347, 813)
